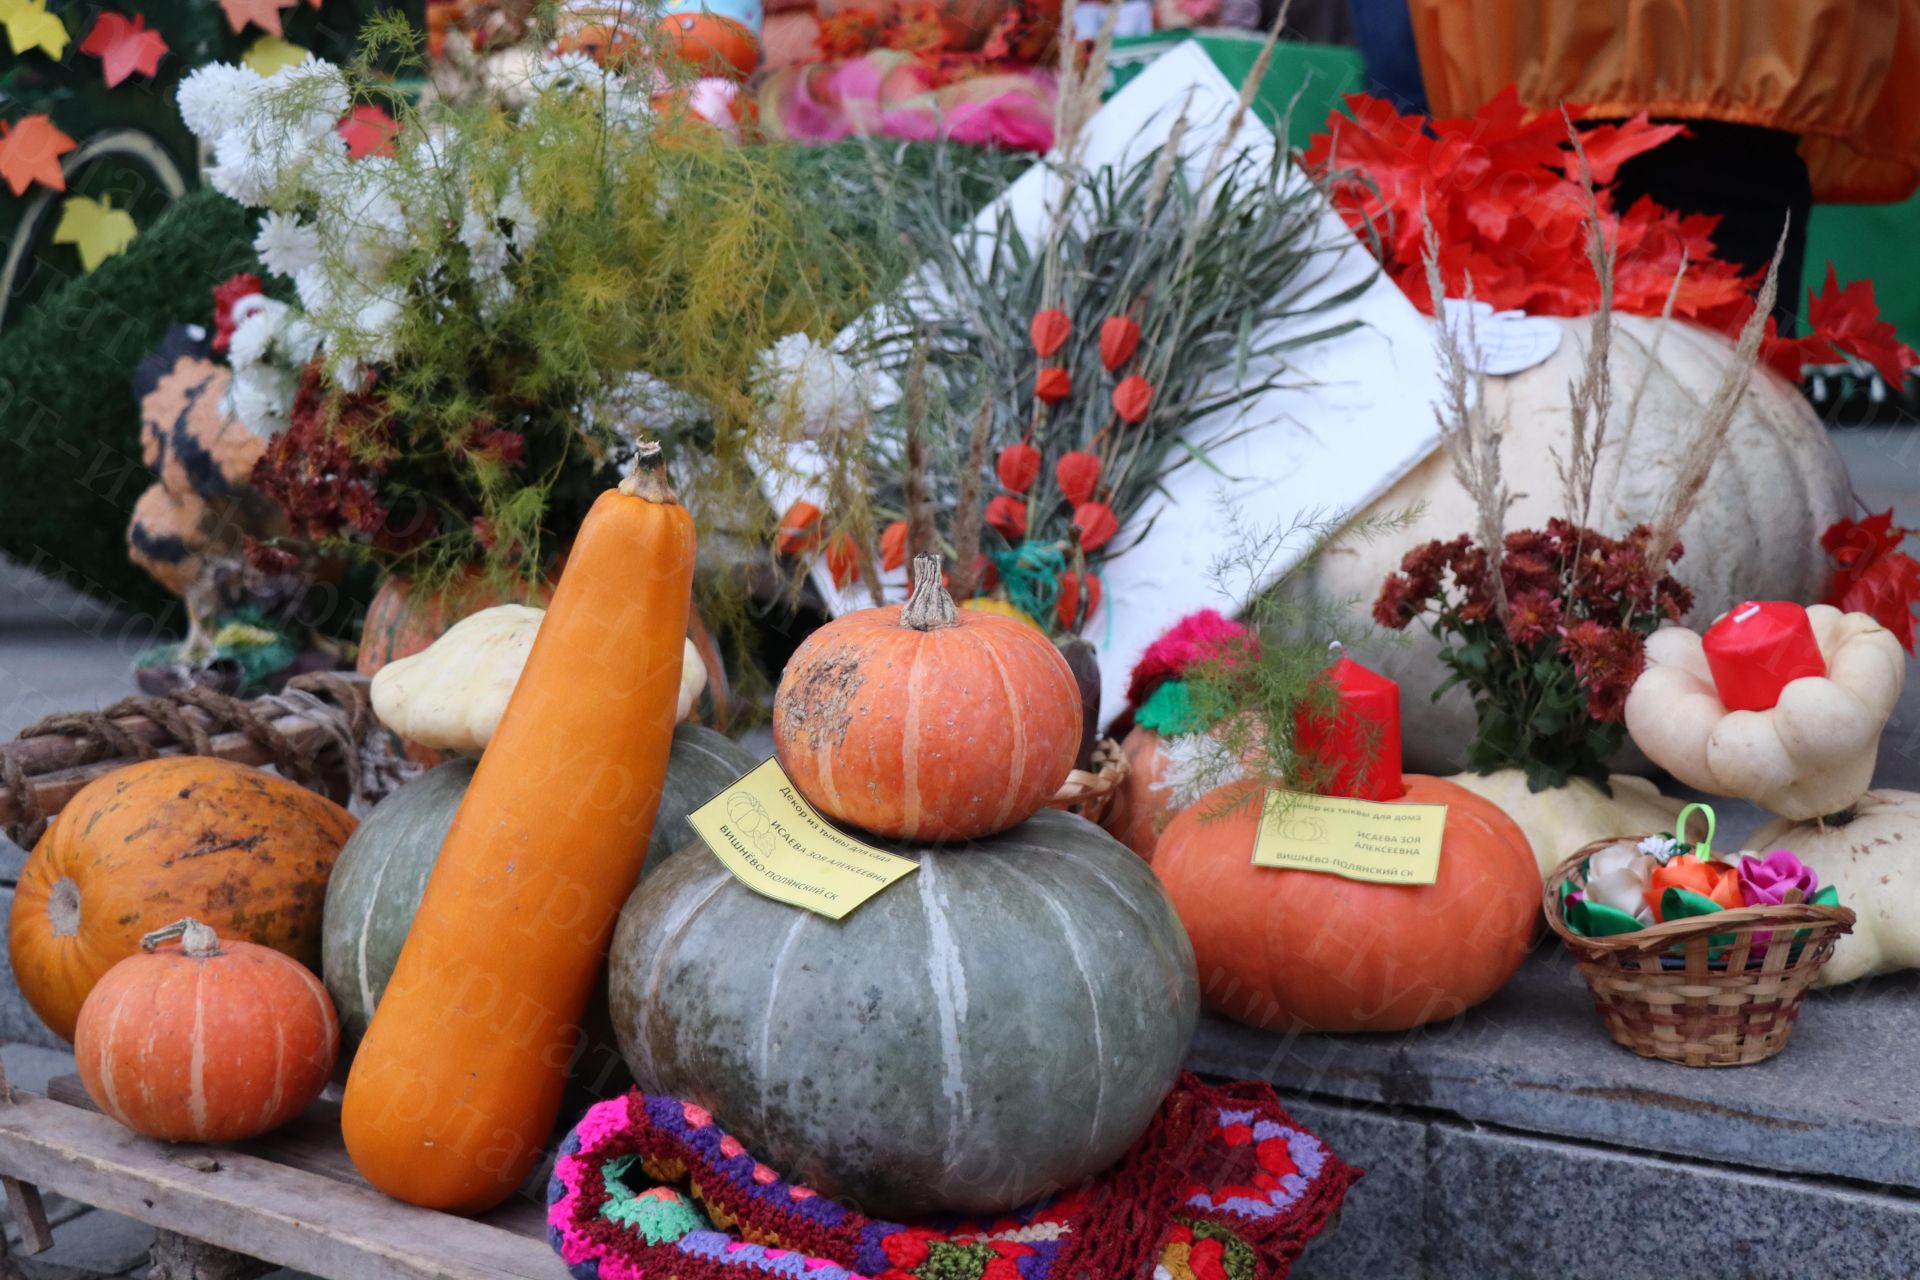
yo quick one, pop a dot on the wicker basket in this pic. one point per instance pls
(1667, 992)
(1090, 792)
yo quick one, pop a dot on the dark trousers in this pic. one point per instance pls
(1753, 178)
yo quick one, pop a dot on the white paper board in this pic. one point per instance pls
(1360, 418)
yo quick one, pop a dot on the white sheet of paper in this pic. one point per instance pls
(1360, 418)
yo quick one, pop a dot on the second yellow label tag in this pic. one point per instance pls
(774, 843)
(1358, 839)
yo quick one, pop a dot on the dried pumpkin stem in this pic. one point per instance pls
(196, 939)
(930, 607)
(648, 479)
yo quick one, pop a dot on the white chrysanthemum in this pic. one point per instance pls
(218, 98)
(314, 287)
(261, 397)
(573, 70)
(317, 85)
(1196, 763)
(298, 341)
(258, 322)
(241, 174)
(1660, 847)
(518, 213)
(810, 387)
(371, 221)
(286, 245)
(628, 105)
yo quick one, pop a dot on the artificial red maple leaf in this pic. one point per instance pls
(30, 152)
(368, 131)
(1872, 575)
(1849, 318)
(123, 46)
(264, 14)
(1608, 146)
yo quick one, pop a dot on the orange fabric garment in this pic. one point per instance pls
(1843, 74)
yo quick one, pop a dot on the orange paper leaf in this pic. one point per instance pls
(30, 152)
(264, 14)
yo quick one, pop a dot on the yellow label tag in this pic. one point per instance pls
(776, 845)
(1357, 839)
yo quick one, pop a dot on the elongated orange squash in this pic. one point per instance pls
(458, 1082)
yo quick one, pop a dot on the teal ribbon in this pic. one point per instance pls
(1031, 574)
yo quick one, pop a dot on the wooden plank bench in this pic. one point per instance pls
(291, 1199)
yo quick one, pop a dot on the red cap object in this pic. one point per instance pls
(1757, 649)
(1360, 742)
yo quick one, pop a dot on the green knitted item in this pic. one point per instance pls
(1169, 711)
(70, 465)
(659, 1215)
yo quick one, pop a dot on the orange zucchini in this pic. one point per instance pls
(457, 1085)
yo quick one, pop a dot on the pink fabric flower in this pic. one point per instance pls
(1766, 881)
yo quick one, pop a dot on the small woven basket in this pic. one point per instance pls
(1668, 992)
(1090, 792)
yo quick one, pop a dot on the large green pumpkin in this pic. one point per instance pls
(382, 872)
(999, 1024)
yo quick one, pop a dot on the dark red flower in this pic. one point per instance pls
(1531, 616)
(1399, 602)
(267, 559)
(483, 533)
(504, 447)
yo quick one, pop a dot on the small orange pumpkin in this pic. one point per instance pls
(1305, 950)
(206, 1041)
(155, 841)
(926, 722)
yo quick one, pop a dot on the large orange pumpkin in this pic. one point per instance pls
(1304, 950)
(926, 722)
(146, 845)
(206, 1041)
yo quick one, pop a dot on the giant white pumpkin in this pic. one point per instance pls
(1755, 534)
(1871, 855)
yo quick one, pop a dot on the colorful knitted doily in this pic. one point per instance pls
(1224, 1185)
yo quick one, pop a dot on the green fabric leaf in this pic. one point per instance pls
(1598, 920)
(1827, 897)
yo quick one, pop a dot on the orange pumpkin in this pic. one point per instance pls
(926, 722)
(1304, 950)
(145, 845)
(206, 1041)
(403, 619)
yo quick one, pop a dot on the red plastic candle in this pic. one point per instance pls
(1758, 649)
(1360, 742)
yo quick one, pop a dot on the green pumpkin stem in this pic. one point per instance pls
(929, 607)
(196, 939)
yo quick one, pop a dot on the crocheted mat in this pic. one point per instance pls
(1224, 1185)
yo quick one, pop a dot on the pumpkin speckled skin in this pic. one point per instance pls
(206, 1048)
(1871, 855)
(999, 1024)
(1754, 535)
(378, 880)
(1305, 950)
(144, 846)
(947, 734)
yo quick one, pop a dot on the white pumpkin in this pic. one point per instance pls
(1561, 819)
(1754, 535)
(1811, 754)
(1873, 859)
(451, 694)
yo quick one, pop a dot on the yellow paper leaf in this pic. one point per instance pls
(269, 54)
(95, 228)
(30, 26)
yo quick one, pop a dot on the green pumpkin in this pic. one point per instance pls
(1000, 1024)
(382, 872)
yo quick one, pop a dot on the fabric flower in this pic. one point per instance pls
(1715, 880)
(1766, 881)
(1618, 877)
(1660, 848)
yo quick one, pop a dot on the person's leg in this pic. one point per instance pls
(1753, 178)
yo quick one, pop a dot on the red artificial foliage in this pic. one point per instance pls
(1119, 339)
(1096, 524)
(1075, 604)
(1049, 331)
(226, 296)
(893, 546)
(1077, 474)
(1008, 517)
(124, 46)
(1503, 191)
(1051, 386)
(1018, 466)
(1132, 397)
(1871, 574)
(367, 131)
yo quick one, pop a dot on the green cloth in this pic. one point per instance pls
(1873, 242)
(1319, 74)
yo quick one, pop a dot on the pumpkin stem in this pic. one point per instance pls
(196, 939)
(929, 607)
(648, 479)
